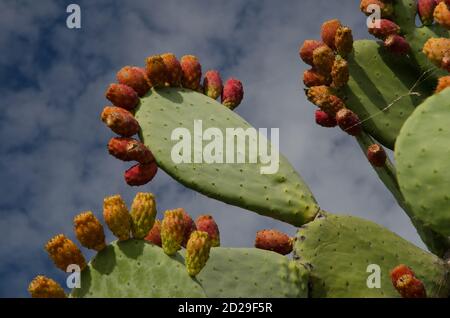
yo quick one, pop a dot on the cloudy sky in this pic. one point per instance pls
(54, 163)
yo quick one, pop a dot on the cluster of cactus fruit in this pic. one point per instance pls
(390, 94)
(134, 82)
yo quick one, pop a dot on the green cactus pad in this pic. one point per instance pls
(283, 195)
(251, 272)
(379, 90)
(422, 154)
(135, 268)
(339, 249)
(405, 17)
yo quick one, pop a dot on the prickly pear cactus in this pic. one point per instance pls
(393, 93)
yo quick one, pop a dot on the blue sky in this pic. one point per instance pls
(54, 163)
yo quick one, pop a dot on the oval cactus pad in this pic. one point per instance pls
(422, 153)
(381, 90)
(344, 251)
(134, 268)
(166, 115)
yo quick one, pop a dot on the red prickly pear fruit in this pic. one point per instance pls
(323, 58)
(206, 223)
(444, 82)
(446, 62)
(156, 71)
(273, 240)
(173, 66)
(340, 73)
(426, 10)
(313, 78)
(192, 72)
(328, 33)
(387, 8)
(212, 84)
(122, 96)
(376, 155)
(442, 15)
(154, 235)
(397, 44)
(129, 149)
(399, 271)
(348, 121)
(135, 78)
(233, 93)
(141, 174)
(325, 120)
(189, 227)
(406, 283)
(307, 49)
(386, 28)
(120, 121)
(344, 41)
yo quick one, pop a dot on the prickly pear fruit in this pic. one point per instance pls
(313, 78)
(444, 82)
(325, 120)
(173, 67)
(129, 149)
(172, 231)
(376, 155)
(120, 121)
(323, 98)
(273, 240)
(386, 28)
(426, 10)
(135, 78)
(192, 72)
(89, 231)
(207, 224)
(437, 49)
(233, 93)
(307, 50)
(44, 287)
(156, 71)
(387, 8)
(344, 41)
(64, 252)
(442, 15)
(212, 84)
(328, 32)
(323, 58)
(116, 216)
(122, 96)
(197, 252)
(154, 236)
(143, 213)
(340, 73)
(348, 121)
(189, 227)
(406, 283)
(397, 44)
(141, 173)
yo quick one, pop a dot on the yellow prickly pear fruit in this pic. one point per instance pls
(143, 213)
(89, 231)
(172, 231)
(344, 41)
(340, 73)
(64, 252)
(116, 216)
(197, 252)
(44, 287)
